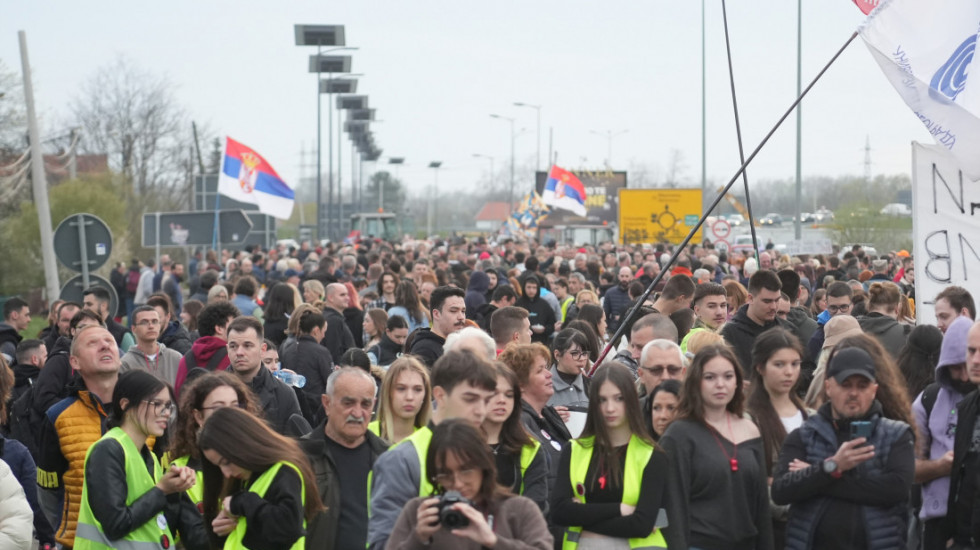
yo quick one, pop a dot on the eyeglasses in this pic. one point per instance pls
(659, 370)
(577, 354)
(447, 478)
(148, 323)
(162, 408)
(839, 309)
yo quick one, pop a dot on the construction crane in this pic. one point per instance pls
(738, 206)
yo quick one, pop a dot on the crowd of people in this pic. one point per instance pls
(474, 394)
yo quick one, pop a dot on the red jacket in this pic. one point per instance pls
(203, 350)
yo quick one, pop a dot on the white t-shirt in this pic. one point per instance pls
(792, 422)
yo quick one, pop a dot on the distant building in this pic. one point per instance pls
(492, 215)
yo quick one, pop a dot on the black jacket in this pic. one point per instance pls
(890, 333)
(275, 520)
(9, 338)
(338, 337)
(385, 351)
(967, 489)
(427, 346)
(483, 313)
(355, 322)
(539, 313)
(176, 338)
(279, 402)
(51, 384)
(311, 360)
(321, 532)
(741, 332)
(24, 378)
(275, 330)
(118, 332)
(108, 499)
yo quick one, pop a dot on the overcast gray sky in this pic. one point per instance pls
(435, 70)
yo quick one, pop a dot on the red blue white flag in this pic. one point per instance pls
(247, 177)
(564, 190)
(926, 49)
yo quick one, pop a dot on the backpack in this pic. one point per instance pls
(132, 281)
(20, 424)
(929, 398)
(191, 362)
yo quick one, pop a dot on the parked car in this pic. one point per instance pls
(771, 219)
(735, 219)
(823, 215)
(896, 209)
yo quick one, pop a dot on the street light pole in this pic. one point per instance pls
(432, 190)
(609, 135)
(488, 157)
(513, 138)
(537, 108)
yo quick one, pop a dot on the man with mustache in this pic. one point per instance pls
(342, 452)
(848, 470)
(448, 311)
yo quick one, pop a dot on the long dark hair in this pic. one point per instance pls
(669, 386)
(248, 442)
(192, 398)
(281, 302)
(134, 386)
(407, 296)
(513, 436)
(585, 328)
(460, 438)
(919, 357)
(595, 425)
(691, 404)
(759, 403)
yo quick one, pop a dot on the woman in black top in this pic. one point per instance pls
(283, 299)
(606, 507)
(718, 495)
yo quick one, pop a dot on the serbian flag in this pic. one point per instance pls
(564, 190)
(247, 177)
(926, 50)
(866, 5)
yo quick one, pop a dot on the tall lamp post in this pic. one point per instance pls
(488, 157)
(320, 36)
(513, 138)
(432, 191)
(397, 163)
(537, 108)
(609, 135)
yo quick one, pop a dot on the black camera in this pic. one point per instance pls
(448, 517)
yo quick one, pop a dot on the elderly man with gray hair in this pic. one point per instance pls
(474, 340)
(342, 452)
(660, 360)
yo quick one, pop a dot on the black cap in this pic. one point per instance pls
(849, 362)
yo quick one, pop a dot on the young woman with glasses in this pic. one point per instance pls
(128, 499)
(571, 355)
(459, 460)
(611, 481)
(199, 399)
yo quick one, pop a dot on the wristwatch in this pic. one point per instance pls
(830, 467)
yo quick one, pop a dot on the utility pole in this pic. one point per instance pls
(39, 182)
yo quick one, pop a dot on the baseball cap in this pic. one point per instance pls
(850, 362)
(903, 253)
(293, 273)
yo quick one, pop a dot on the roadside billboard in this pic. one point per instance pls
(658, 215)
(601, 198)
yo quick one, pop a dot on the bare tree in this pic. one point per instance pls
(676, 167)
(132, 115)
(13, 117)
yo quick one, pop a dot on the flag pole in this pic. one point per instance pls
(738, 133)
(217, 203)
(673, 258)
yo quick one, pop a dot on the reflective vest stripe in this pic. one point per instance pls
(150, 535)
(261, 485)
(638, 454)
(527, 457)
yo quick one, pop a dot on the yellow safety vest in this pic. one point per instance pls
(152, 535)
(638, 454)
(527, 456)
(261, 485)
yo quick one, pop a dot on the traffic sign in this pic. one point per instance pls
(721, 229)
(83, 242)
(72, 291)
(194, 228)
(658, 215)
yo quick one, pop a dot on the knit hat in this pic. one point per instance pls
(903, 254)
(838, 328)
(954, 342)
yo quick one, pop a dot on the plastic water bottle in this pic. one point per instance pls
(291, 379)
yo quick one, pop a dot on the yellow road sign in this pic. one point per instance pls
(658, 215)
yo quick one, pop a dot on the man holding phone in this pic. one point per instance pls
(847, 471)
